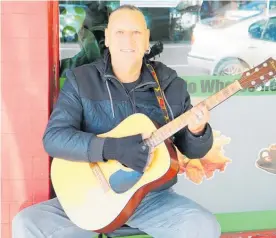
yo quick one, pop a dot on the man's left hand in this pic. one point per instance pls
(198, 119)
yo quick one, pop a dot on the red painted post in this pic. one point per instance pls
(27, 65)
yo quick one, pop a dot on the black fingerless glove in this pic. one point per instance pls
(129, 151)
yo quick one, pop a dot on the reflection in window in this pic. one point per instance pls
(71, 20)
(264, 30)
(170, 24)
(190, 31)
(256, 29)
(270, 31)
(82, 25)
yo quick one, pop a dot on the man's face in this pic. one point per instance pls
(127, 36)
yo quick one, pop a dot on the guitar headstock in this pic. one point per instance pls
(259, 75)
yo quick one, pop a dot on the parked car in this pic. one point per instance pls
(258, 5)
(230, 44)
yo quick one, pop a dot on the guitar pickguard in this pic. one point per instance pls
(121, 181)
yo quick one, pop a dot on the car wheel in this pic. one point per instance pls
(231, 67)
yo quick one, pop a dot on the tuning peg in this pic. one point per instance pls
(267, 84)
(259, 88)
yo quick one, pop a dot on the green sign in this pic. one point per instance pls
(201, 86)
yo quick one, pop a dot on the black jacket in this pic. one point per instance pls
(92, 101)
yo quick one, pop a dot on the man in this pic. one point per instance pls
(95, 98)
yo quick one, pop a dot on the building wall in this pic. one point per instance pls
(24, 107)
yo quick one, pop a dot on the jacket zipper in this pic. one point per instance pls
(129, 97)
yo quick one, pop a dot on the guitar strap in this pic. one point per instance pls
(159, 95)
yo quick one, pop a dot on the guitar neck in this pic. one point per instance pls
(181, 121)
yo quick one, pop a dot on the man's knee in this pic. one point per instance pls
(22, 221)
(199, 223)
(208, 225)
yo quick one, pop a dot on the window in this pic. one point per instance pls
(264, 30)
(71, 19)
(256, 29)
(270, 30)
(189, 30)
(82, 25)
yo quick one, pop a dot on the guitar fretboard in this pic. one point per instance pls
(180, 122)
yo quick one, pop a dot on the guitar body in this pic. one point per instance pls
(102, 196)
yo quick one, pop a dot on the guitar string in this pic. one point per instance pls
(99, 175)
(222, 94)
(154, 140)
(163, 132)
(102, 177)
(212, 100)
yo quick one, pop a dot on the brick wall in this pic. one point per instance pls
(24, 107)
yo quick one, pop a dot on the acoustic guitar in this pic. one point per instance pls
(102, 196)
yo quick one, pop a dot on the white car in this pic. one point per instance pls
(233, 43)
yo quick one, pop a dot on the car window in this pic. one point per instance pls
(256, 5)
(272, 5)
(270, 30)
(256, 29)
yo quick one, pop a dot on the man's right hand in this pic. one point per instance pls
(129, 151)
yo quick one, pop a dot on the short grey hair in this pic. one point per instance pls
(127, 7)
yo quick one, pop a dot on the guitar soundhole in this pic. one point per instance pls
(121, 181)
